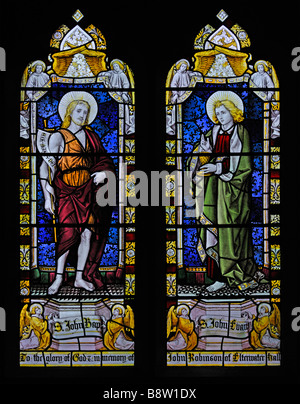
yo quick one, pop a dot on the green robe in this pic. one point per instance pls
(227, 203)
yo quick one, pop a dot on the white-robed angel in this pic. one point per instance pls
(120, 329)
(119, 77)
(179, 79)
(265, 77)
(34, 76)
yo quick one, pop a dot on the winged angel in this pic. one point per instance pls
(34, 331)
(180, 329)
(118, 78)
(180, 78)
(266, 327)
(120, 329)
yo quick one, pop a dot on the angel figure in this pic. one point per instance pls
(266, 328)
(179, 79)
(34, 328)
(120, 329)
(180, 329)
(265, 77)
(119, 77)
(34, 76)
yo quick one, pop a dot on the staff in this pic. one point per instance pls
(42, 145)
(52, 206)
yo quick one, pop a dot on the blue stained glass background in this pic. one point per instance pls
(190, 240)
(195, 120)
(46, 254)
(46, 247)
(105, 123)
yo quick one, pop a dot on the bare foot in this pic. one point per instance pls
(216, 286)
(55, 285)
(80, 283)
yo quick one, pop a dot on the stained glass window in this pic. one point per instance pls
(223, 222)
(77, 235)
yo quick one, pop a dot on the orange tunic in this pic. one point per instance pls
(76, 162)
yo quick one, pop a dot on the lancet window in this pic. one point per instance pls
(223, 223)
(77, 253)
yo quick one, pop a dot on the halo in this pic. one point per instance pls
(119, 62)
(181, 307)
(38, 62)
(76, 96)
(263, 304)
(261, 62)
(34, 305)
(222, 96)
(119, 307)
(180, 62)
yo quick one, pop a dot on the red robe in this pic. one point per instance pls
(77, 204)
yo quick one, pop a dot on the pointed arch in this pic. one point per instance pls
(77, 134)
(223, 141)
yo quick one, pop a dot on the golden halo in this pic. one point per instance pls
(119, 307)
(266, 305)
(222, 96)
(180, 62)
(181, 307)
(34, 306)
(78, 96)
(38, 62)
(261, 62)
(119, 62)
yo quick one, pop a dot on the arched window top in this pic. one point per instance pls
(221, 52)
(222, 226)
(78, 55)
(77, 153)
